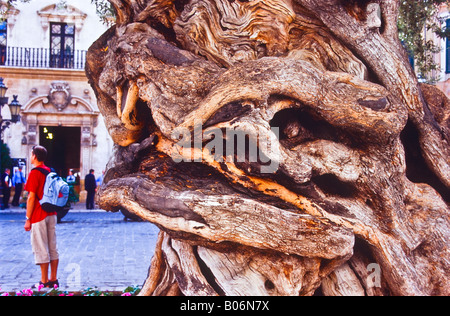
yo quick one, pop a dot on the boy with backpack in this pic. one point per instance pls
(41, 223)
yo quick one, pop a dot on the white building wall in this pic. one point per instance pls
(28, 29)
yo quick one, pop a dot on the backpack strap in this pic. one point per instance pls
(42, 170)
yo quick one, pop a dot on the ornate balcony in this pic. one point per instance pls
(42, 58)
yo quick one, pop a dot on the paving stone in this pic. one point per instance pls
(97, 249)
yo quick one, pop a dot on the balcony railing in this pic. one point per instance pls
(42, 58)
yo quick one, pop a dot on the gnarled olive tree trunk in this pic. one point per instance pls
(283, 147)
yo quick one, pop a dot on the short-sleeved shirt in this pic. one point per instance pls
(35, 183)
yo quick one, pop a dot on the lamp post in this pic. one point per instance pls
(3, 89)
(14, 108)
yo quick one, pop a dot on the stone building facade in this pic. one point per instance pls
(43, 48)
(443, 57)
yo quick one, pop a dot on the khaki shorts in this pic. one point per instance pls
(43, 240)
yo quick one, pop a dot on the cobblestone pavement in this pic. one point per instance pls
(96, 248)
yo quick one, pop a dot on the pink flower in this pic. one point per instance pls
(27, 292)
(19, 293)
(5, 294)
(62, 294)
(40, 287)
(126, 294)
(55, 286)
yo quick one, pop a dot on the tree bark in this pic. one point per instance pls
(282, 147)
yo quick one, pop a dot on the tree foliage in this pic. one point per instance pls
(104, 10)
(6, 161)
(417, 16)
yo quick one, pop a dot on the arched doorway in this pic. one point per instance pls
(64, 124)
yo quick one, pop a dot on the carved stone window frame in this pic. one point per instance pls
(61, 13)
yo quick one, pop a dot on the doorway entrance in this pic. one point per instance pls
(63, 145)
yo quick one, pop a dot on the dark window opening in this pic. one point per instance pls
(447, 50)
(62, 45)
(3, 41)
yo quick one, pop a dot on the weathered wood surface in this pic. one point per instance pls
(350, 191)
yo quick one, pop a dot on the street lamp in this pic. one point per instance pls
(15, 107)
(3, 90)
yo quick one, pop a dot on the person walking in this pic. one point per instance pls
(6, 188)
(100, 179)
(71, 178)
(18, 182)
(41, 224)
(90, 186)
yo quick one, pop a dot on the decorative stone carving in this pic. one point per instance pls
(59, 94)
(32, 134)
(86, 136)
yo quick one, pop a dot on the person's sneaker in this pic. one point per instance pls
(39, 286)
(52, 284)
